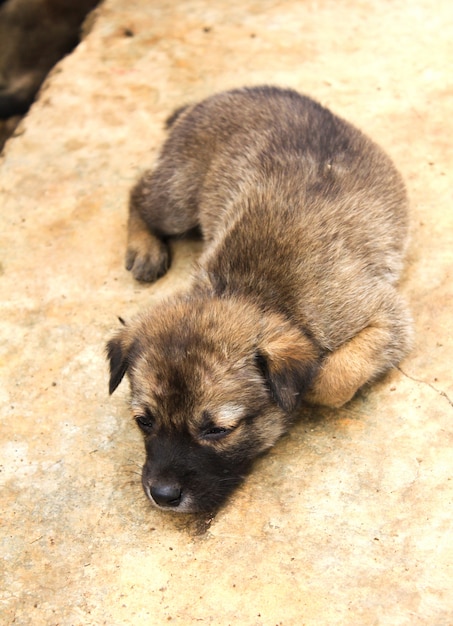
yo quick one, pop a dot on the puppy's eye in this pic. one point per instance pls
(145, 421)
(214, 433)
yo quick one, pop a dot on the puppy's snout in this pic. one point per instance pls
(167, 495)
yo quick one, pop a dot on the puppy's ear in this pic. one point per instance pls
(288, 360)
(118, 353)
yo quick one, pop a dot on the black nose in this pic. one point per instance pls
(166, 495)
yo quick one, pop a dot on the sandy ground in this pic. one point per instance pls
(349, 519)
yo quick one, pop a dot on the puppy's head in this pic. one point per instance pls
(214, 383)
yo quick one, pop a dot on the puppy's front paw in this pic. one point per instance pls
(147, 258)
(326, 396)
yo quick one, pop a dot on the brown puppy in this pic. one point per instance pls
(304, 221)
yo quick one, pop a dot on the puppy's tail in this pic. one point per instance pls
(174, 116)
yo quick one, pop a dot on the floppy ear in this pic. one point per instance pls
(288, 360)
(118, 353)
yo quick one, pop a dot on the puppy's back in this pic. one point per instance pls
(266, 137)
(302, 211)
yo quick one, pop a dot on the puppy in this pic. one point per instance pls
(304, 223)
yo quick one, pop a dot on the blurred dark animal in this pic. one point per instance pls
(34, 35)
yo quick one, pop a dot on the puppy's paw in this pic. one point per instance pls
(337, 381)
(147, 258)
(333, 398)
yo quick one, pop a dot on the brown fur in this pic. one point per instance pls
(293, 299)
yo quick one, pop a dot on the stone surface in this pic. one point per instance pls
(349, 519)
